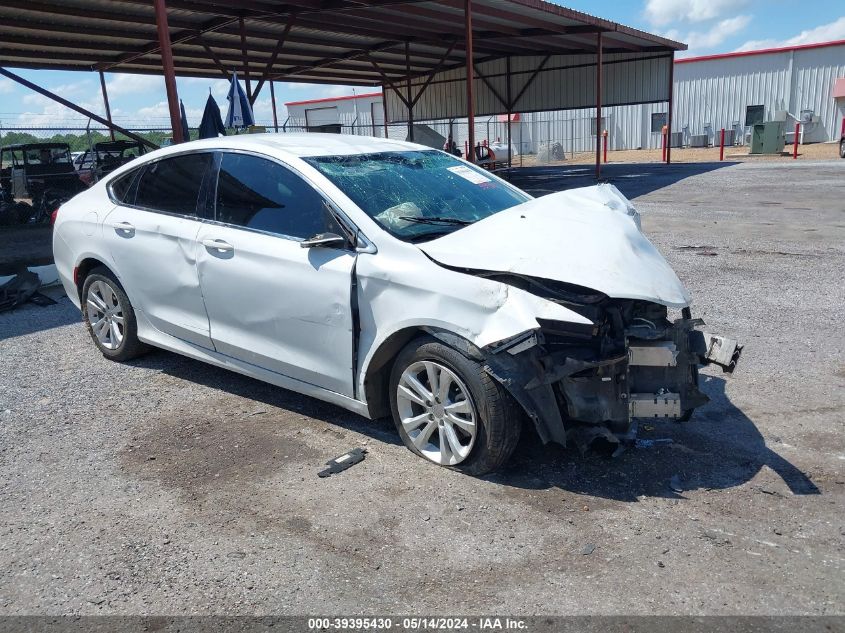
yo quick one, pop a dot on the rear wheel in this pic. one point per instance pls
(448, 410)
(842, 148)
(109, 316)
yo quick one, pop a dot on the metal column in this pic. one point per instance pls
(510, 107)
(273, 102)
(242, 31)
(671, 103)
(598, 104)
(169, 73)
(469, 79)
(408, 92)
(106, 103)
(384, 105)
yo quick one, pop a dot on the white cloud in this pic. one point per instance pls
(52, 114)
(826, 32)
(161, 110)
(6, 86)
(663, 12)
(703, 40)
(126, 83)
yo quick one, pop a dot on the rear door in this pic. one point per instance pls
(271, 302)
(153, 237)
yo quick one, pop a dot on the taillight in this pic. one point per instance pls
(54, 215)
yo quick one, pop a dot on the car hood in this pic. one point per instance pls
(589, 237)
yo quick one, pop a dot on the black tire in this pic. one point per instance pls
(498, 416)
(129, 347)
(842, 148)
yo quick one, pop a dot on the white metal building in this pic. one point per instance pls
(353, 114)
(730, 90)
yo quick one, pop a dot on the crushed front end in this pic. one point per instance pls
(580, 382)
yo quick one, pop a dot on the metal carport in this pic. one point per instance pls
(526, 53)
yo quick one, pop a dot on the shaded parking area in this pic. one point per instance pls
(169, 486)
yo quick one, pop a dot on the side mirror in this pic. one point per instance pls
(329, 240)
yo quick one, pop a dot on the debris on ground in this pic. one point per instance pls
(589, 548)
(19, 289)
(339, 464)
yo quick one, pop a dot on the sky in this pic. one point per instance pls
(707, 26)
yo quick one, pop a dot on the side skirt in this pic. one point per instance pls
(149, 334)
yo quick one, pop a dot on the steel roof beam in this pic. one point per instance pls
(74, 107)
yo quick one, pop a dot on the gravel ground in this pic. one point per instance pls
(165, 486)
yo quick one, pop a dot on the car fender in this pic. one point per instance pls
(402, 290)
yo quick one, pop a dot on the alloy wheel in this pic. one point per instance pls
(437, 412)
(105, 314)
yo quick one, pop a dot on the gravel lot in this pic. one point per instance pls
(168, 486)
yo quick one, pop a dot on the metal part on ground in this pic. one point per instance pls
(339, 464)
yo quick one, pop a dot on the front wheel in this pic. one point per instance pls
(842, 148)
(448, 410)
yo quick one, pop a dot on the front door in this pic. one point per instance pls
(271, 302)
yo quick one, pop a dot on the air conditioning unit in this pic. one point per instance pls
(807, 116)
(699, 140)
(676, 139)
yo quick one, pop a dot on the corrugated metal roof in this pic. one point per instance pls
(357, 42)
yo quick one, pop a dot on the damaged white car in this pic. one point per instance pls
(390, 279)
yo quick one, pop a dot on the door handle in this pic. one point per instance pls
(219, 245)
(124, 228)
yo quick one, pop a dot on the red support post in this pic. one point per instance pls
(598, 104)
(106, 103)
(795, 141)
(469, 78)
(466, 150)
(167, 66)
(669, 108)
(663, 141)
(384, 105)
(722, 145)
(273, 102)
(247, 82)
(604, 134)
(408, 90)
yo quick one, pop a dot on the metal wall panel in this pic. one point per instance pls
(566, 82)
(717, 91)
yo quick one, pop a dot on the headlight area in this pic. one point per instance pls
(580, 382)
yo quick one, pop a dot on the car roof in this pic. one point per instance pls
(300, 145)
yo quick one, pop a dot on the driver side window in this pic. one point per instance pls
(257, 193)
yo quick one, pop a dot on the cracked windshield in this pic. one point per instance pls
(418, 195)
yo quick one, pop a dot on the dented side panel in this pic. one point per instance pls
(156, 256)
(401, 288)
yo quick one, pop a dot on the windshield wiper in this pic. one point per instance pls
(435, 220)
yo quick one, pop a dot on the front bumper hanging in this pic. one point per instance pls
(655, 377)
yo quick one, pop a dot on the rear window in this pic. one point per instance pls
(173, 184)
(121, 185)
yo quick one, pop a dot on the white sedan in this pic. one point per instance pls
(390, 279)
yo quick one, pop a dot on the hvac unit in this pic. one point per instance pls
(730, 137)
(808, 116)
(676, 139)
(699, 140)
